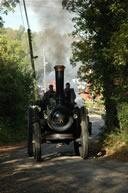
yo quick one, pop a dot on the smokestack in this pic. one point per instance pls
(59, 74)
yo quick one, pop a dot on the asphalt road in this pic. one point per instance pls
(60, 171)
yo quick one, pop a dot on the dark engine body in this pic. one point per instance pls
(56, 120)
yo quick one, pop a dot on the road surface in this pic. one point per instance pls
(60, 171)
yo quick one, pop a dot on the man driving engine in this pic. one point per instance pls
(69, 94)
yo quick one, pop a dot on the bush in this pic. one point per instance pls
(123, 116)
(16, 90)
(114, 139)
(8, 134)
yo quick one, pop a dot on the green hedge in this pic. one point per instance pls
(123, 116)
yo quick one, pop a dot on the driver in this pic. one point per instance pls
(50, 93)
(69, 94)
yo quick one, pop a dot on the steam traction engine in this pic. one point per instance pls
(56, 121)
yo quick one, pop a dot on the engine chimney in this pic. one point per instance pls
(59, 73)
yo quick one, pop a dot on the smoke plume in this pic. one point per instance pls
(54, 41)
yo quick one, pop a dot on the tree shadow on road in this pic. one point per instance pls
(96, 149)
(59, 172)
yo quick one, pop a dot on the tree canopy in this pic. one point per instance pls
(15, 80)
(101, 45)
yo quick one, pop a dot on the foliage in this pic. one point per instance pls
(101, 45)
(16, 82)
(114, 140)
(123, 116)
(20, 36)
(7, 134)
(16, 87)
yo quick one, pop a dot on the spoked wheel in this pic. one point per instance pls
(36, 142)
(77, 135)
(84, 135)
(29, 144)
(81, 146)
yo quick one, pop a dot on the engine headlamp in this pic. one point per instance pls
(75, 116)
(45, 115)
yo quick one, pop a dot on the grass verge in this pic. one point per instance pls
(115, 144)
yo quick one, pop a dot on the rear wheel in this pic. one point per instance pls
(84, 135)
(36, 142)
(77, 135)
(81, 144)
(29, 144)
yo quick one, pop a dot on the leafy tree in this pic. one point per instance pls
(19, 35)
(11, 33)
(16, 83)
(102, 46)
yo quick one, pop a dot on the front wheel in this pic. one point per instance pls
(36, 142)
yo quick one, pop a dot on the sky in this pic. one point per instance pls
(17, 18)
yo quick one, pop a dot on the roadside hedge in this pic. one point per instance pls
(123, 116)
